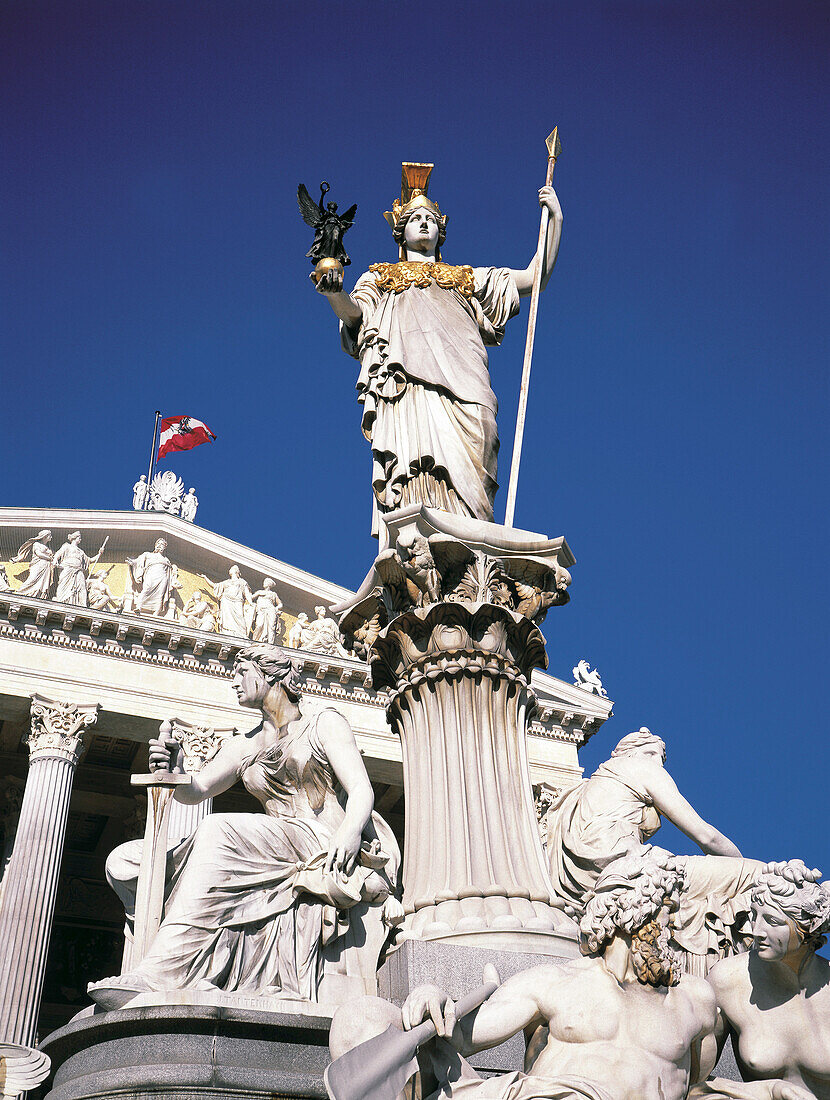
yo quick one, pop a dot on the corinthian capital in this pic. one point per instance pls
(58, 728)
(199, 743)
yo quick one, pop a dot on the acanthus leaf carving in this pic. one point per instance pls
(58, 728)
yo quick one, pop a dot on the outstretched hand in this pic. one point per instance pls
(330, 282)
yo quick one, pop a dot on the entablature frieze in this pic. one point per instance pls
(163, 643)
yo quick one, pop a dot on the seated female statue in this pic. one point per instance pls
(775, 1000)
(614, 813)
(277, 903)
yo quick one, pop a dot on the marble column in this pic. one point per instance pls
(448, 618)
(10, 802)
(472, 857)
(198, 745)
(56, 743)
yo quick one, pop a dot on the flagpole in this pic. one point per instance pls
(554, 149)
(152, 456)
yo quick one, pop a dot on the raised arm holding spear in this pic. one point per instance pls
(540, 278)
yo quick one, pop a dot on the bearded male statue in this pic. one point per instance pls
(621, 1023)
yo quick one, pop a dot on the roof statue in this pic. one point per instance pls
(166, 492)
(38, 581)
(588, 678)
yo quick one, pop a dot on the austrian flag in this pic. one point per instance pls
(180, 433)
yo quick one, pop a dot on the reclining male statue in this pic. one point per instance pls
(622, 1023)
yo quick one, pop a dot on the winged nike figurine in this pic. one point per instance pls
(328, 225)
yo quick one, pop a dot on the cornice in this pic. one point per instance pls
(565, 713)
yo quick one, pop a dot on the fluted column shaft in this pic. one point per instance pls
(460, 698)
(31, 882)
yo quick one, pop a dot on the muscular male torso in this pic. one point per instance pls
(634, 1040)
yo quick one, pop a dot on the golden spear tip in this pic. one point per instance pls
(553, 143)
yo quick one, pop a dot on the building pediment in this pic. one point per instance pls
(144, 667)
(196, 553)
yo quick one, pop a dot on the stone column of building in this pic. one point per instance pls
(198, 745)
(11, 800)
(455, 655)
(56, 743)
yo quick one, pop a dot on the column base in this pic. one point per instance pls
(21, 1068)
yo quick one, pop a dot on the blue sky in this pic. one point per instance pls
(152, 256)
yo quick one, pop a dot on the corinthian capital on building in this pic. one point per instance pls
(58, 728)
(199, 743)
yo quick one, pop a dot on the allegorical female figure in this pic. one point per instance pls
(73, 567)
(775, 1000)
(420, 328)
(234, 598)
(39, 578)
(615, 812)
(271, 903)
(151, 574)
(267, 623)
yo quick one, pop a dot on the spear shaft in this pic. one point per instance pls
(554, 149)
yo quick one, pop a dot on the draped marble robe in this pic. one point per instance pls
(602, 819)
(73, 567)
(152, 579)
(249, 906)
(429, 411)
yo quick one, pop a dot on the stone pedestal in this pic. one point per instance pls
(56, 742)
(458, 970)
(448, 618)
(178, 1052)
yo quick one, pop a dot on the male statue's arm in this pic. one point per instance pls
(672, 805)
(546, 255)
(512, 1008)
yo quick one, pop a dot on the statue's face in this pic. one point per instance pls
(421, 231)
(774, 933)
(161, 546)
(250, 685)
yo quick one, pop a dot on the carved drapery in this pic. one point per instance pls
(198, 744)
